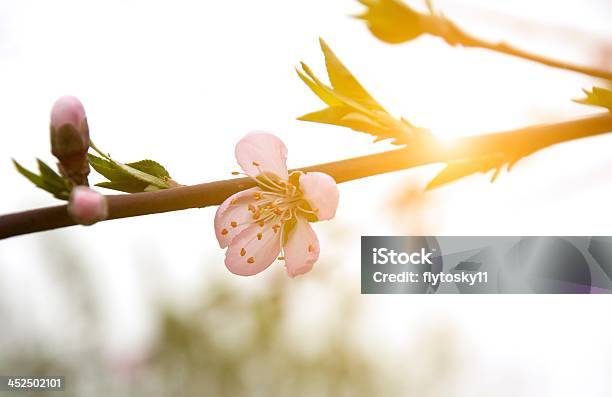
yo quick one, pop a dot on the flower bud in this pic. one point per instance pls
(392, 21)
(87, 206)
(70, 139)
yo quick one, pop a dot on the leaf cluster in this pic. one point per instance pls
(351, 106)
(140, 176)
(47, 180)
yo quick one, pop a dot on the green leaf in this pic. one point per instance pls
(52, 179)
(127, 186)
(461, 168)
(48, 180)
(343, 81)
(151, 167)
(32, 177)
(106, 168)
(142, 176)
(139, 176)
(346, 117)
(151, 188)
(318, 90)
(597, 97)
(351, 106)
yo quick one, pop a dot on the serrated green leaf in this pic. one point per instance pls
(142, 176)
(48, 181)
(106, 168)
(151, 167)
(597, 97)
(132, 177)
(461, 168)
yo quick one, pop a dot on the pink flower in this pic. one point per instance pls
(259, 224)
(87, 206)
(70, 138)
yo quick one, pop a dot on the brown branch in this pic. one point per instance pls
(454, 35)
(393, 21)
(514, 143)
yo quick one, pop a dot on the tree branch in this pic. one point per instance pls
(454, 35)
(393, 21)
(514, 143)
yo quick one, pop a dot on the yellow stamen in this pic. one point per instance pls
(251, 260)
(242, 252)
(224, 232)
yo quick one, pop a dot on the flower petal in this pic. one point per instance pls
(67, 110)
(321, 192)
(253, 250)
(233, 216)
(264, 149)
(302, 249)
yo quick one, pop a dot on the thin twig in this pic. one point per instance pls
(453, 35)
(514, 143)
(393, 21)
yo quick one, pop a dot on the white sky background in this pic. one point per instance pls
(182, 83)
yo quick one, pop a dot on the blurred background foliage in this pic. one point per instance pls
(231, 343)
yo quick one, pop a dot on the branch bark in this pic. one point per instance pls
(454, 35)
(519, 142)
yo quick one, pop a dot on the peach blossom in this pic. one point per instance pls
(272, 221)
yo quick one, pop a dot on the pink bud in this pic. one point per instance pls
(67, 110)
(87, 206)
(70, 138)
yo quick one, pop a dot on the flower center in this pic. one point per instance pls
(276, 208)
(277, 203)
